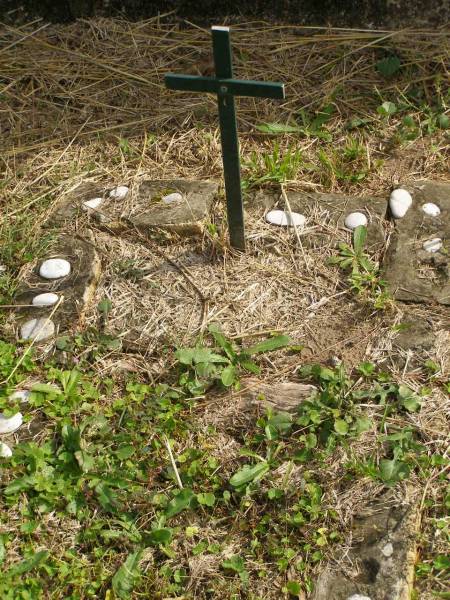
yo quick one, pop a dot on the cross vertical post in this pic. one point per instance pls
(226, 88)
(229, 137)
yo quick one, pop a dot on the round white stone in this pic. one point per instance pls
(119, 192)
(173, 197)
(22, 396)
(433, 245)
(5, 450)
(47, 299)
(10, 424)
(285, 219)
(399, 203)
(429, 208)
(94, 203)
(54, 268)
(387, 550)
(355, 219)
(37, 329)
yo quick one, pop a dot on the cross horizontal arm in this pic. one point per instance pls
(235, 87)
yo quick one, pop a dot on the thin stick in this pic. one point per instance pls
(172, 460)
(288, 206)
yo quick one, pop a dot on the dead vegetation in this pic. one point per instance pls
(86, 102)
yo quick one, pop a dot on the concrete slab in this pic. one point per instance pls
(380, 565)
(412, 273)
(78, 287)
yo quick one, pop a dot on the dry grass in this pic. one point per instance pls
(86, 102)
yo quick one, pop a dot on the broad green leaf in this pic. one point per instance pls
(125, 452)
(388, 66)
(341, 426)
(443, 121)
(294, 588)
(278, 341)
(392, 471)
(228, 375)
(408, 399)
(29, 564)
(249, 365)
(362, 424)
(127, 576)
(249, 473)
(359, 238)
(85, 460)
(310, 440)
(278, 128)
(234, 563)
(20, 485)
(221, 340)
(159, 536)
(179, 503)
(106, 497)
(206, 499)
(387, 109)
(104, 306)
(46, 388)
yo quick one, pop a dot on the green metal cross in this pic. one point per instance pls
(226, 88)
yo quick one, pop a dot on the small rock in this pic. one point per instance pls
(355, 219)
(54, 268)
(429, 208)
(47, 299)
(37, 329)
(22, 396)
(174, 197)
(119, 192)
(433, 245)
(10, 424)
(387, 550)
(285, 219)
(358, 597)
(5, 450)
(94, 203)
(2, 269)
(399, 203)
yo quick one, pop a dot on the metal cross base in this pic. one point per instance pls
(226, 88)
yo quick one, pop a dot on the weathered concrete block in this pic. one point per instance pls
(380, 566)
(412, 273)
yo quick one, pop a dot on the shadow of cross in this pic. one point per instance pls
(226, 88)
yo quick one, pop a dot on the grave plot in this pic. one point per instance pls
(169, 293)
(417, 262)
(55, 293)
(177, 206)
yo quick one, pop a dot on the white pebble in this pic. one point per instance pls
(94, 203)
(47, 299)
(10, 424)
(174, 197)
(285, 219)
(355, 219)
(433, 245)
(5, 450)
(22, 396)
(399, 203)
(37, 329)
(2, 269)
(119, 192)
(54, 268)
(429, 208)
(387, 550)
